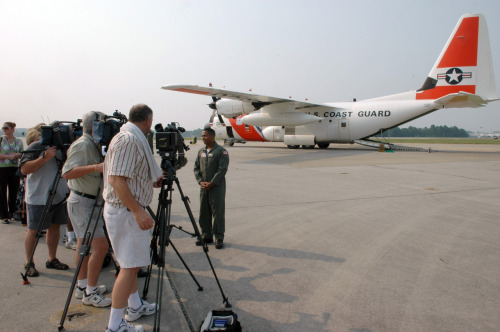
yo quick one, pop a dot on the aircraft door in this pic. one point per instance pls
(343, 130)
(229, 129)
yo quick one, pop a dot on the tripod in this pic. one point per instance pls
(46, 209)
(84, 251)
(161, 239)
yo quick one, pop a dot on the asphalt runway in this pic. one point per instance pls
(343, 239)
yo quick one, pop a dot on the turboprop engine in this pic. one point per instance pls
(231, 108)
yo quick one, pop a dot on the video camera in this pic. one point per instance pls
(105, 127)
(170, 146)
(61, 133)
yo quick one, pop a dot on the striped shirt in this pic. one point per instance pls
(126, 158)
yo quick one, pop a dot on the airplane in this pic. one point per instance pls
(483, 134)
(461, 77)
(233, 130)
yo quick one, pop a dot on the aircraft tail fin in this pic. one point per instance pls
(463, 74)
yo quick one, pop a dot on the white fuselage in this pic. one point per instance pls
(348, 122)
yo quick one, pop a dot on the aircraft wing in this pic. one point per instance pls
(243, 96)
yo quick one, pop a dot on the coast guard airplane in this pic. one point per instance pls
(461, 77)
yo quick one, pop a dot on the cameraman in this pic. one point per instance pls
(130, 173)
(82, 169)
(41, 169)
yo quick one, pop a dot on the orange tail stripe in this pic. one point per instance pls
(441, 91)
(462, 51)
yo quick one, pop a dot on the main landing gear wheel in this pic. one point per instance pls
(323, 145)
(308, 146)
(293, 146)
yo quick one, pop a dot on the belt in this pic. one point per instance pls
(144, 207)
(83, 194)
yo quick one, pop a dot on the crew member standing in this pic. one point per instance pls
(130, 173)
(210, 169)
(82, 170)
(41, 170)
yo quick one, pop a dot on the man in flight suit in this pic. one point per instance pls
(210, 169)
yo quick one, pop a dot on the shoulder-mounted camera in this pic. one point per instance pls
(105, 127)
(61, 133)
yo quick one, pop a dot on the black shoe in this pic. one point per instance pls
(142, 273)
(31, 272)
(5, 221)
(207, 241)
(56, 264)
(219, 244)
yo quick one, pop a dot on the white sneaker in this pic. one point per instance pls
(71, 245)
(96, 300)
(145, 309)
(126, 327)
(79, 292)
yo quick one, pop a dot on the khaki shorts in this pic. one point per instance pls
(79, 210)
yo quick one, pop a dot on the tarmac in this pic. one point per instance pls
(343, 239)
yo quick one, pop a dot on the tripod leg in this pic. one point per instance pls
(153, 252)
(83, 252)
(163, 219)
(46, 210)
(70, 293)
(185, 199)
(200, 288)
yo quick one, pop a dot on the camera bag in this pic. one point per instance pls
(220, 320)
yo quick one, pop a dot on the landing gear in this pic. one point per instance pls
(293, 146)
(308, 146)
(323, 145)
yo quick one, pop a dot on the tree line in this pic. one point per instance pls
(433, 131)
(192, 133)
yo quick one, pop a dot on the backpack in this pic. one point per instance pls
(220, 320)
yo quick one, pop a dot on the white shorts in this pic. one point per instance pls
(129, 242)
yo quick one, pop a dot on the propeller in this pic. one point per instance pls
(213, 104)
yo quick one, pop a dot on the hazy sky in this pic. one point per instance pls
(61, 59)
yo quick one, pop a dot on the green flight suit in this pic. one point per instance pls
(212, 167)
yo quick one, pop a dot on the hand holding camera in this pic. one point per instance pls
(49, 153)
